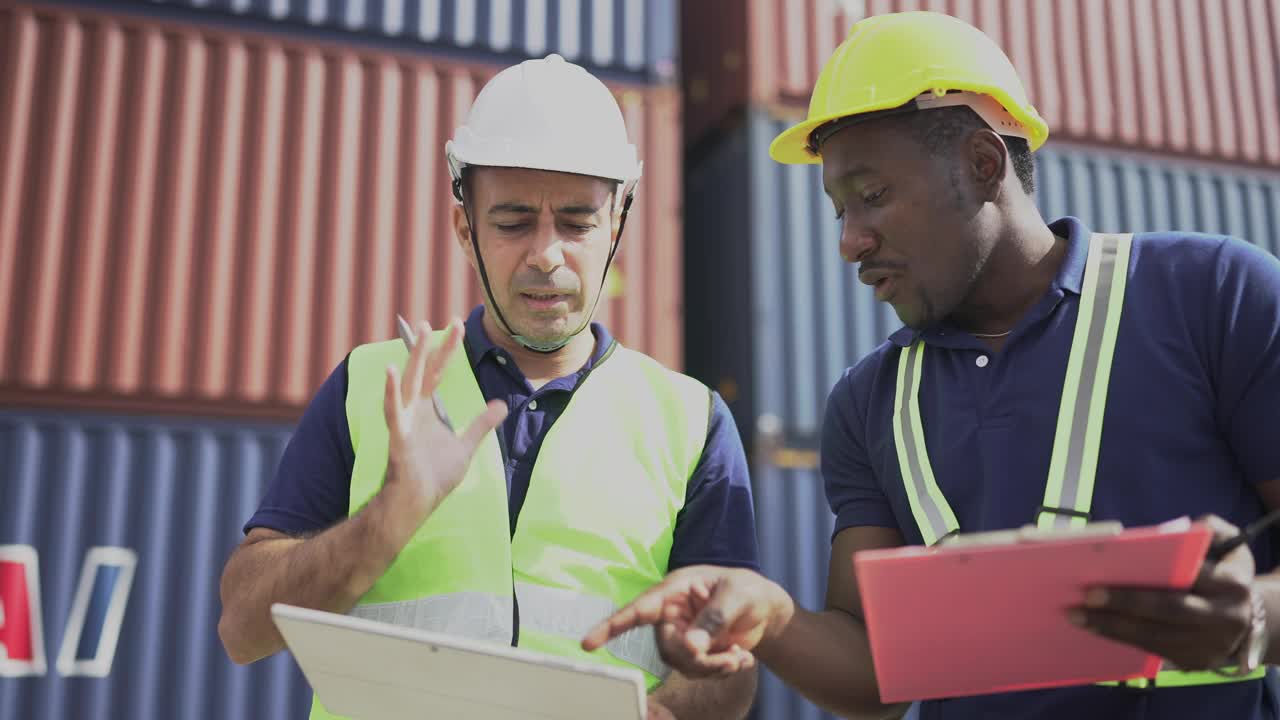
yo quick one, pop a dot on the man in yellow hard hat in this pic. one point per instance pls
(1044, 375)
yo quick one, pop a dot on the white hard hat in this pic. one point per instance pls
(546, 114)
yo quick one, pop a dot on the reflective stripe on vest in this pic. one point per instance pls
(568, 614)
(1069, 490)
(553, 611)
(476, 615)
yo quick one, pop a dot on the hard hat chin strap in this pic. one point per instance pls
(528, 343)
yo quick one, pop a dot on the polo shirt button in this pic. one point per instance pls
(502, 360)
(981, 361)
(533, 404)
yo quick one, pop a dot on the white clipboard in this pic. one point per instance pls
(368, 670)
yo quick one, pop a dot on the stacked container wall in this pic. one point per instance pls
(779, 316)
(113, 532)
(624, 39)
(205, 221)
(1178, 76)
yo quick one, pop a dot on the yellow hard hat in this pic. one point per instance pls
(934, 59)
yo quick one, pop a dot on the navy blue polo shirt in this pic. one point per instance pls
(1190, 427)
(311, 488)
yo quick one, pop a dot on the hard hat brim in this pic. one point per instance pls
(791, 146)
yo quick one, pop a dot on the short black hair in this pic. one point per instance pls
(939, 129)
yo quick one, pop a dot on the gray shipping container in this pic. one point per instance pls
(622, 39)
(113, 532)
(774, 316)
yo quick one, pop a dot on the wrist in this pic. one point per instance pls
(395, 514)
(1251, 648)
(781, 610)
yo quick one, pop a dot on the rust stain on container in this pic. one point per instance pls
(200, 219)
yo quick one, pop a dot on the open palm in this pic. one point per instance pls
(426, 458)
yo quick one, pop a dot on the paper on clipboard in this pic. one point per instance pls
(971, 619)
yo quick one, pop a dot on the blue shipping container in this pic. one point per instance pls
(622, 39)
(113, 533)
(774, 316)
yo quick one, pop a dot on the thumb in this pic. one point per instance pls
(475, 433)
(725, 611)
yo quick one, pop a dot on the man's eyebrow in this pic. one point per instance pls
(582, 209)
(852, 174)
(513, 207)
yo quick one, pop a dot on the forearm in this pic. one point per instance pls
(713, 698)
(827, 657)
(329, 571)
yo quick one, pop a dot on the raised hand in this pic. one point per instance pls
(426, 458)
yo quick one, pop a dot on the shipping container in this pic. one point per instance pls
(795, 527)
(113, 533)
(203, 221)
(775, 316)
(1178, 76)
(634, 40)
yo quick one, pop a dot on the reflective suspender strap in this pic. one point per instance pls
(1074, 463)
(929, 506)
(1068, 494)
(1177, 678)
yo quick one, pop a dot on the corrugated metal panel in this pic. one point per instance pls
(767, 242)
(635, 38)
(173, 494)
(1176, 76)
(795, 526)
(196, 216)
(1139, 192)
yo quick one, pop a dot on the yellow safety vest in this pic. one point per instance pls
(595, 529)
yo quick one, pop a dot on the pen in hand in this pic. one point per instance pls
(406, 334)
(1221, 549)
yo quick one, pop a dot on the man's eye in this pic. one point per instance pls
(875, 196)
(510, 227)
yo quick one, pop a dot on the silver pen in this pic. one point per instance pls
(406, 334)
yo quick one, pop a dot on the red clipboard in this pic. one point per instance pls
(973, 619)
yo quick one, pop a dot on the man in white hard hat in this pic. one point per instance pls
(586, 471)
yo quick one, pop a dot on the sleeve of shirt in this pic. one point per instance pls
(717, 525)
(1246, 346)
(855, 496)
(312, 485)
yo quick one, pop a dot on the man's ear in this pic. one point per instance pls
(987, 163)
(462, 232)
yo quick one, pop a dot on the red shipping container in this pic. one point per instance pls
(1178, 76)
(203, 221)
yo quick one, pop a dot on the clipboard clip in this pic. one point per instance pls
(1032, 534)
(1061, 511)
